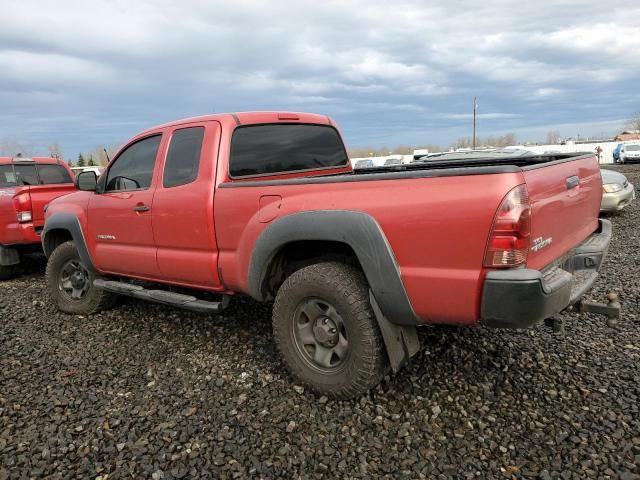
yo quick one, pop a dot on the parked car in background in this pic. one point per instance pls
(366, 163)
(77, 170)
(266, 204)
(630, 153)
(27, 185)
(617, 191)
(616, 153)
(392, 161)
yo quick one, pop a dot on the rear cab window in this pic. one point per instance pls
(26, 174)
(33, 174)
(7, 176)
(279, 148)
(53, 174)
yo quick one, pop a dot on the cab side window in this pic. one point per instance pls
(183, 158)
(133, 169)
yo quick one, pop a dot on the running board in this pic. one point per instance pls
(165, 297)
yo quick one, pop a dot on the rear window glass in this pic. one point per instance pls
(26, 174)
(281, 148)
(7, 176)
(53, 174)
(12, 175)
(633, 148)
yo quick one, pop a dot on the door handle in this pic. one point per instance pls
(141, 208)
(572, 182)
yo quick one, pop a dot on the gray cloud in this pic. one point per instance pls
(87, 72)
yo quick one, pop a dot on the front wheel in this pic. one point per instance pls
(326, 331)
(70, 282)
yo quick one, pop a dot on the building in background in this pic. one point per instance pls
(627, 136)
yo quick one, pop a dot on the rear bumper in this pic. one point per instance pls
(8, 256)
(612, 202)
(21, 234)
(630, 160)
(17, 238)
(520, 298)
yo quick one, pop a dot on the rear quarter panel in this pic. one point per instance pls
(41, 195)
(437, 229)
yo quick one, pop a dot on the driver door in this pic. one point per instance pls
(120, 216)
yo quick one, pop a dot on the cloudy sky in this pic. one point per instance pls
(83, 73)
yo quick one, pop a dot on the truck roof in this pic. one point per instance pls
(248, 118)
(41, 160)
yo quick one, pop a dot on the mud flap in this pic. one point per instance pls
(401, 341)
(8, 256)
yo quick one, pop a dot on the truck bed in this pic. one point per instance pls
(430, 168)
(435, 215)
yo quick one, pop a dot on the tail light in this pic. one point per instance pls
(22, 205)
(509, 240)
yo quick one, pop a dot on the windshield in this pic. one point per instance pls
(633, 148)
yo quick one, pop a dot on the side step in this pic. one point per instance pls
(179, 300)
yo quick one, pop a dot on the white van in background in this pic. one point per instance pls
(630, 153)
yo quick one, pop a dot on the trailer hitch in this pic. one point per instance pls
(611, 310)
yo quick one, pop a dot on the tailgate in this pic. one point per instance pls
(565, 202)
(42, 195)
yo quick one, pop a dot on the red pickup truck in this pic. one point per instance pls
(26, 186)
(266, 204)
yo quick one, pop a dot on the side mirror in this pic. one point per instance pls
(87, 181)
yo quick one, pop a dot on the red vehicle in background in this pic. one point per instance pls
(266, 204)
(26, 186)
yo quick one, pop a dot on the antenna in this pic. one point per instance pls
(106, 154)
(475, 107)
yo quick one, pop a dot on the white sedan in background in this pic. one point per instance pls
(617, 191)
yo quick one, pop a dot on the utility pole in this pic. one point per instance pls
(475, 106)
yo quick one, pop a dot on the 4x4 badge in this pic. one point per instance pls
(539, 243)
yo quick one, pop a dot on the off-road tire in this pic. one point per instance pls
(93, 300)
(8, 271)
(346, 289)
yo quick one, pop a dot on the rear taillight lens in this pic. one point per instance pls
(22, 205)
(509, 238)
(24, 217)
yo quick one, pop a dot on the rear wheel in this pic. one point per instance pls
(70, 283)
(326, 331)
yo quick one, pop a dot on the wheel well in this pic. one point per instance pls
(54, 239)
(296, 255)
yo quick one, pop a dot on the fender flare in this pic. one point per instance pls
(70, 223)
(359, 231)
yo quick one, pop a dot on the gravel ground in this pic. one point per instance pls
(144, 391)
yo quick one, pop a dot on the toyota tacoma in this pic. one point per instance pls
(266, 204)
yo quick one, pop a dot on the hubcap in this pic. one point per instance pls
(320, 334)
(74, 280)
